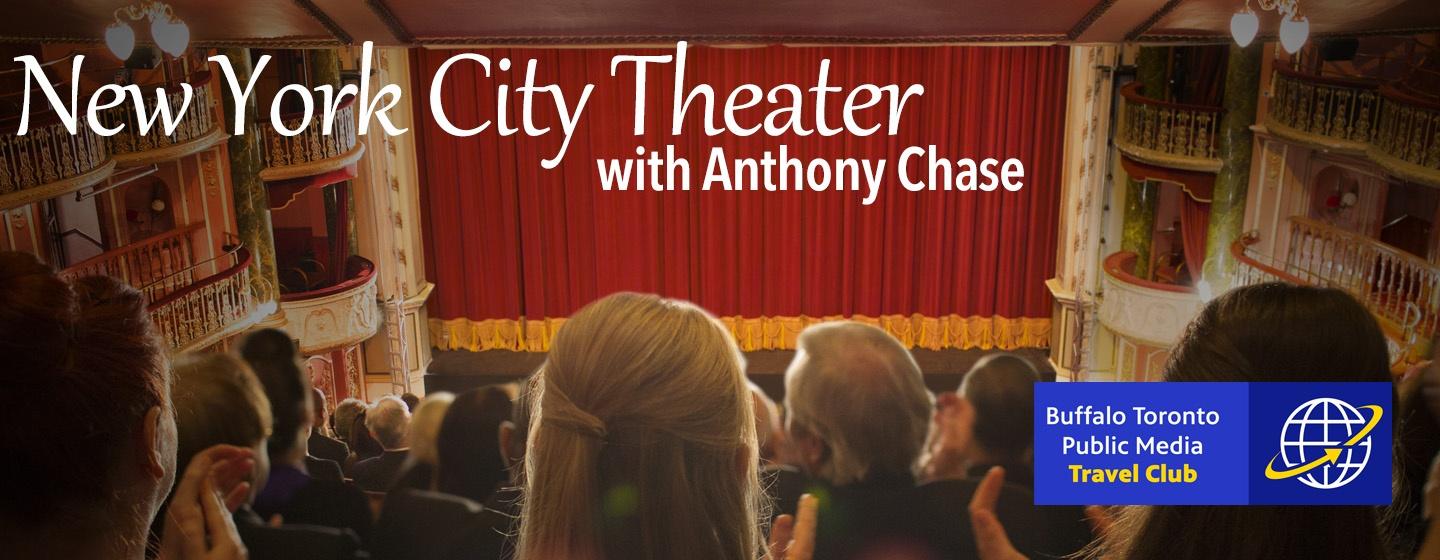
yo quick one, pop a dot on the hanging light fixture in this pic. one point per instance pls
(168, 31)
(120, 39)
(1294, 28)
(1243, 26)
(1293, 32)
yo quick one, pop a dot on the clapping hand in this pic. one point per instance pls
(990, 537)
(198, 525)
(793, 537)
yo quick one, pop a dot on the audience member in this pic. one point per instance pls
(638, 437)
(1264, 332)
(858, 417)
(783, 482)
(515, 431)
(219, 401)
(513, 435)
(292, 491)
(424, 525)
(769, 428)
(92, 446)
(344, 418)
(643, 439)
(411, 401)
(362, 443)
(388, 421)
(320, 445)
(470, 463)
(418, 472)
(989, 422)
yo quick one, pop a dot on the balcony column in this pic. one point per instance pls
(1152, 65)
(1138, 228)
(1233, 145)
(252, 201)
(325, 70)
(1141, 197)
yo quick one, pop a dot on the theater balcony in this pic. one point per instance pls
(48, 161)
(1400, 289)
(1407, 140)
(1328, 113)
(1392, 125)
(1164, 134)
(198, 128)
(335, 316)
(1146, 318)
(197, 295)
(312, 157)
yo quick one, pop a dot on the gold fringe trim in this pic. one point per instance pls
(767, 333)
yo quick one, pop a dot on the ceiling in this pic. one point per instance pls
(301, 23)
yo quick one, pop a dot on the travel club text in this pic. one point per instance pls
(1155, 474)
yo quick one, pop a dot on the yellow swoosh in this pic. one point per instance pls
(1375, 412)
(1331, 455)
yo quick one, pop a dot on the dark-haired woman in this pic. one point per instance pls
(468, 446)
(1265, 332)
(292, 491)
(91, 448)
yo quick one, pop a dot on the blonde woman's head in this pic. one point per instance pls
(425, 427)
(642, 439)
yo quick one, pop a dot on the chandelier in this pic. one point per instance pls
(1294, 28)
(169, 32)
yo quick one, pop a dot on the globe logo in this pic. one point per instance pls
(1325, 443)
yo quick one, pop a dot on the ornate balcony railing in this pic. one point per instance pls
(1396, 129)
(48, 161)
(1402, 290)
(335, 316)
(203, 311)
(1330, 112)
(198, 127)
(1167, 134)
(312, 152)
(1407, 140)
(160, 264)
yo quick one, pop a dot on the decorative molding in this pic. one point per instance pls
(64, 186)
(1404, 169)
(1210, 38)
(1090, 17)
(296, 42)
(334, 320)
(1154, 317)
(1163, 159)
(561, 40)
(1312, 141)
(1152, 20)
(325, 21)
(316, 167)
(397, 28)
(173, 151)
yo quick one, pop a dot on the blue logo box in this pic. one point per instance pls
(1213, 443)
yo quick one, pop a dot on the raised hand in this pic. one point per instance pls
(792, 538)
(990, 537)
(198, 525)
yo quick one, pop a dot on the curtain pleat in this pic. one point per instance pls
(514, 248)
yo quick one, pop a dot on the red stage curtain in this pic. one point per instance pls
(514, 248)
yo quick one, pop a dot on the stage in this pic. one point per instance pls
(459, 370)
